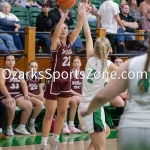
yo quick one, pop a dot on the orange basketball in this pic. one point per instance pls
(66, 4)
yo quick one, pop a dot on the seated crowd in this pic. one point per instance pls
(132, 18)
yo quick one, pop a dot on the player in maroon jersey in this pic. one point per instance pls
(14, 92)
(57, 91)
(35, 89)
(76, 91)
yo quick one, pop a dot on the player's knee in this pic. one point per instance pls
(49, 115)
(62, 113)
(73, 103)
(11, 108)
(28, 106)
(40, 104)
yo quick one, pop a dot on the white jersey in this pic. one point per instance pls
(137, 109)
(94, 80)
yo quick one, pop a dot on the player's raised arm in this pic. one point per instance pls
(89, 42)
(57, 30)
(75, 33)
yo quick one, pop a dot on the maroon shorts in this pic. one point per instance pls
(15, 96)
(53, 90)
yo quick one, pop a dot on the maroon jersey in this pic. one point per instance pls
(12, 83)
(33, 84)
(61, 62)
(76, 82)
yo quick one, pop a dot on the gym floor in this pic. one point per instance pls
(67, 142)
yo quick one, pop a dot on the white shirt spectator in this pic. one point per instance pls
(107, 11)
(10, 17)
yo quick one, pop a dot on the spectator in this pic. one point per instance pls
(36, 93)
(111, 10)
(26, 3)
(44, 24)
(144, 6)
(134, 10)
(130, 24)
(55, 17)
(122, 2)
(7, 44)
(145, 23)
(91, 9)
(2, 120)
(48, 2)
(14, 92)
(9, 22)
(118, 62)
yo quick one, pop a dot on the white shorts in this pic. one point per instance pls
(95, 122)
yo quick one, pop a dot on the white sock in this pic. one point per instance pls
(21, 126)
(56, 137)
(71, 123)
(0, 130)
(32, 121)
(65, 123)
(8, 127)
(44, 139)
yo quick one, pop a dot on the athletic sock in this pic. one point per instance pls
(71, 123)
(56, 137)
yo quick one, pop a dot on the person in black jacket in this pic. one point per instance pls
(44, 24)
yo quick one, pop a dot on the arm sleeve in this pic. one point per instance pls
(5, 22)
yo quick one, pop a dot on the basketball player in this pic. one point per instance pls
(57, 91)
(94, 81)
(76, 86)
(36, 93)
(134, 126)
(14, 92)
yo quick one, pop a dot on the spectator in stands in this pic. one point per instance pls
(14, 92)
(108, 18)
(2, 120)
(134, 10)
(145, 23)
(26, 3)
(122, 2)
(48, 2)
(144, 6)
(44, 24)
(91, 9)
(36, 93)
(118, 62)
(9, 22)
(55, 17)
(7, 44)
(130, 24)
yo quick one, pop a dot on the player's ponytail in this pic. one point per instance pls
(144, 80)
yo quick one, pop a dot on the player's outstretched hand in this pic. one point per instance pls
(82, 11)
(64, 12)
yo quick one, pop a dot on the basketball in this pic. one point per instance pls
(66, 4)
